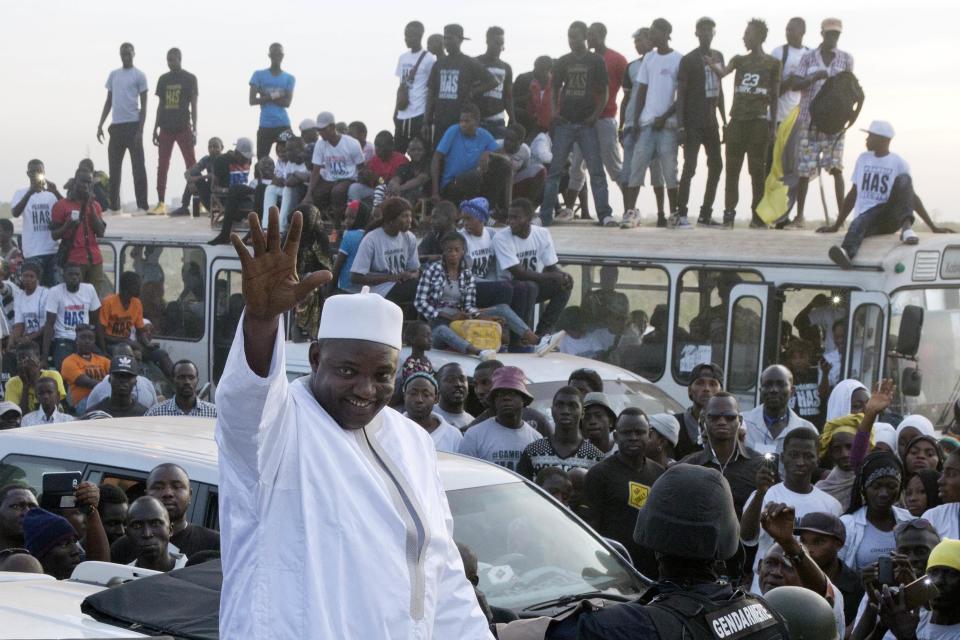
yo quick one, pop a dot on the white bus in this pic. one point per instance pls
(671, 284)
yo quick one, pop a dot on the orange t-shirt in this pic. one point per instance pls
(75, 365)
(117, 321)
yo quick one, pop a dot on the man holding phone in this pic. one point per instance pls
(35, 203)
(77, 221)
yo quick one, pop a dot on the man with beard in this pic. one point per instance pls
(769, 423)
(170, 484)
(453, 395)
(148, 525)
(326, 494)
(566, 448)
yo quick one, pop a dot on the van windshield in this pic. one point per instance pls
(938, 358)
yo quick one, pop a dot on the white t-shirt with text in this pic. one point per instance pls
(31, 310)
(72, 308)
(659, 72)
(480, 256)
(533, 253)
(873, 177)
(380, 252)
(418, 87)
(36, 238)
(338, 162)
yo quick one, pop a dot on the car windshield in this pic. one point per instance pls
(531, 551)
(621, 393)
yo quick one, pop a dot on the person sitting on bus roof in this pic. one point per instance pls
(121, 315)
(123, 379)
(21, 389)
(143, 392)
(881, 198)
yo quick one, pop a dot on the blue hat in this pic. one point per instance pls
(478, 208)
(43, 530)
(420, 374)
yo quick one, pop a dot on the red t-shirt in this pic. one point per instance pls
(84, 249)
(387, 169)
(616, 66)
(541, 105)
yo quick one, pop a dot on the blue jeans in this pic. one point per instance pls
(62, 348)
(893, 215)
(653, 144)
(564, 137)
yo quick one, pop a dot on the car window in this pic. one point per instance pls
(531, 550)
(29, 470)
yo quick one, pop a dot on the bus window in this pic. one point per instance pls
(227, 288)
(865, 344)
(613, 318)
(701, 329)
(745, 351)
(108, 285)
(173, 288)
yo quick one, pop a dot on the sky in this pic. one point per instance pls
(56, 60)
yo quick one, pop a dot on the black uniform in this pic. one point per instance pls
(709, 611)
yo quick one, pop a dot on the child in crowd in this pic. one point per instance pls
(419, 337)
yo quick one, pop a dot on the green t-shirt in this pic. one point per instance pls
(754, 81)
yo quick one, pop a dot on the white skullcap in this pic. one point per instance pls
(667, 426)
(362, 316)
(884, 432)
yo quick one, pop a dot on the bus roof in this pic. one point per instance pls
(588, 241)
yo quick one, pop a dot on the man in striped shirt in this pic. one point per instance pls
(185, 402)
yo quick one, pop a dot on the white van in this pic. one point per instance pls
(192, 293)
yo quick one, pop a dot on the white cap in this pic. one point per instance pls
(667, 426)
(308, 123)
(362, 316)
(325, 119)
(245, 147)
(880, 128)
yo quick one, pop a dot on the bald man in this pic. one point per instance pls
(770, 422)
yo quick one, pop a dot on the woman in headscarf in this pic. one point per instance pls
(849, 396)
(922, 492)
(836, 443)
(869, 429)
(872, 516)
(923, 452)
(911, 427)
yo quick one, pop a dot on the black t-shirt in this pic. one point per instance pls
(492, 103)
(175, 89)
(806, 400)
(133, 411)
(741, 472)
(541, 454)
(615, 492)
(451, 84)
(699, 109)
(584, 78)
(189, 541)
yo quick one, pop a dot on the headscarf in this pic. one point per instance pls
(478, 208)
(930, 480)
(918, 422)
(844, 424)
(949, 444)
(931, 440)
(877, 465)
(885, 433)
(839, 403)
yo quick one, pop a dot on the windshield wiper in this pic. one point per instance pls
(570, 599)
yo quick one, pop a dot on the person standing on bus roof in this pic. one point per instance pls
(881, 198)
(272, 90)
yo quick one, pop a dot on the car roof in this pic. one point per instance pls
(140, 444)
(553, 367)
(37, 606)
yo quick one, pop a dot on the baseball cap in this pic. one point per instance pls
(706, 20)
(123, 364)
(307, 124)
(880, 128)
(454, 30)
(832, 24)
(6, 406)
(325, 119)
(244, 147)
(707, 370)
(823, 523)
(286, 136)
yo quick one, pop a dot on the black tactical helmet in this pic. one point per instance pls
(689, 513)
(808, 616)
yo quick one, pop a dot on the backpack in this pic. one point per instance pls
(684, 614)
(837, 105)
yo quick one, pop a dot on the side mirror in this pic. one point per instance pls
(911, 326)
(911, 381)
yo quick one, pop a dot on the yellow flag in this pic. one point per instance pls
(776, 195)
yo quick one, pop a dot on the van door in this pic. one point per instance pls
(226, 304)
(866, 340)
(748, 341)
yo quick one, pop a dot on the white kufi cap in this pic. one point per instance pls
(362, 316)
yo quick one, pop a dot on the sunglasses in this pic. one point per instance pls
(727, 416)
(920, 524)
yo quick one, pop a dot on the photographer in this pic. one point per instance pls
(77, 222)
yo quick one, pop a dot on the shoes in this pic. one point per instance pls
(708, 223)
(180, 211)
(220, 239)
(907, 236)
(757, 223)
(797, 223)
(564, 215)
(631, 218)
(680, 222)
(487, 354)
(728, 219)
(661, 221)
(159, 210)
(839, 256)
(608, 222)
(549, 343)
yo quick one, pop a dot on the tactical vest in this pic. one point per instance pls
(682, 615)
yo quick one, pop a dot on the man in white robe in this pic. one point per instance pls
(334, 523)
